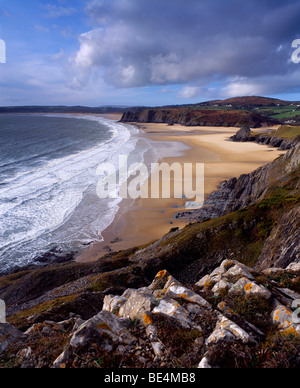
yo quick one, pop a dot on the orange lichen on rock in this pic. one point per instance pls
(103, 326)
(207, 285)
(147, 319)
(248, 287)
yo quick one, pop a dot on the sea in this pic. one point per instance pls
(48, 180)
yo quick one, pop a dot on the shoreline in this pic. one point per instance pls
(139, 222)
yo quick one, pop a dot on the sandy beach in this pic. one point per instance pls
(141, 221)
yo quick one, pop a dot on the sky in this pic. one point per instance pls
(147, 52)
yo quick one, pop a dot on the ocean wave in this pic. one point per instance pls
(36, 204)
(55, 203)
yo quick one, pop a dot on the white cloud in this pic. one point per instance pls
(138, 43)
(183, 50)
(53, 11)
(241, 86)
(189, 92)
(272, 84)
(41, 28)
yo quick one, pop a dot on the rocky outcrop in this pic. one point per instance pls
(282, 246)
(9, 335)
(275, 142)
(166, 299)
(246, 135)
(243, 135)
(167, 324)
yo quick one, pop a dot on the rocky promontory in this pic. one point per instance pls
(197, 117)
(245, 134)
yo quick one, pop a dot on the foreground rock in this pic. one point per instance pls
(9, 335)
(232, 317)
(181, 327)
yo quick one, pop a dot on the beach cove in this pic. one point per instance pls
(141, 221)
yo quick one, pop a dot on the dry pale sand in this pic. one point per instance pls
(144, 220)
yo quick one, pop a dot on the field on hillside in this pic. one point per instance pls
(281, 113)
(287, 132)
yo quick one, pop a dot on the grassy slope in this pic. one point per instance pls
(240, 235)
(287, 132)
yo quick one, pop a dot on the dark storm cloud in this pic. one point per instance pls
(195, 42)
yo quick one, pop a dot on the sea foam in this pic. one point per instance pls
(56, 203)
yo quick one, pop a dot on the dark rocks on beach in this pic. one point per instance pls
(184, 214)
(243, 135)
(116, 240)
(86, 244)
(55, 256)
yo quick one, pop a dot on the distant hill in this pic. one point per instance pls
(62, 109)
(253, 111)
(253, 101)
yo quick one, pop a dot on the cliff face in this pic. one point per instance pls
(275, 185)
(283, 246)
(198, 117)
(235, 194)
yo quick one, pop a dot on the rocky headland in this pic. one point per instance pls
(245, 134)
(198, 117)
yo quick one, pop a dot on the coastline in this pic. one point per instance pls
(138, 222)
